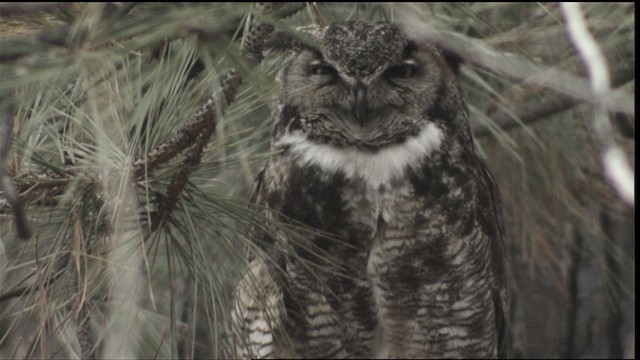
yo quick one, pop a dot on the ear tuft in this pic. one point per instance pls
(451, 58)
(281, 41)
(288, 41)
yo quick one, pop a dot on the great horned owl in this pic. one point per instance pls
(376, 156)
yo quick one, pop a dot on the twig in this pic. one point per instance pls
(615, 318)
(615, 162)
(29, 288)
(573, 269)
(22, 225)
(286, 9)
(84, 332)
(28, 8)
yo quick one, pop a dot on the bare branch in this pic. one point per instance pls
(511, 65)
(615, 162)
(284, 10)
(27, 8)
(541, 107)
(22, 225)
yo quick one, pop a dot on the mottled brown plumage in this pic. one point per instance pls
(376, 155)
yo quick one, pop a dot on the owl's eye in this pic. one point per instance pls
(402, 71)
(319, 67)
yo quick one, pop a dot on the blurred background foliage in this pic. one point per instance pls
(89, 90)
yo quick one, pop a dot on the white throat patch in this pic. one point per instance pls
(375, 168)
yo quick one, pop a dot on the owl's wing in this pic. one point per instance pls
(259, 308)
(491, 220)
(256, 192)
(257, 202)
(258, 312)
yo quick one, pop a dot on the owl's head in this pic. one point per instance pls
(367, 85)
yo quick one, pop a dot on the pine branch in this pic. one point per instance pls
(60, 269)
(257, 34)
(189, 134)
(208, 114)
(186, 136)
(84, 333)
(83, 319)
(206, 119)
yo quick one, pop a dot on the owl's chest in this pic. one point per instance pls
(363, 213)
(329, 187)
(377, 209)
(402, 198)
(399, 235)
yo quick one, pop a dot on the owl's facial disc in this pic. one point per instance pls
(354, 100)
(363, 85)
(364, 109)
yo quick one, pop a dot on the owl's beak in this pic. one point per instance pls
(360, 105)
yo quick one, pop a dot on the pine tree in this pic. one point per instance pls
(130, 135)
